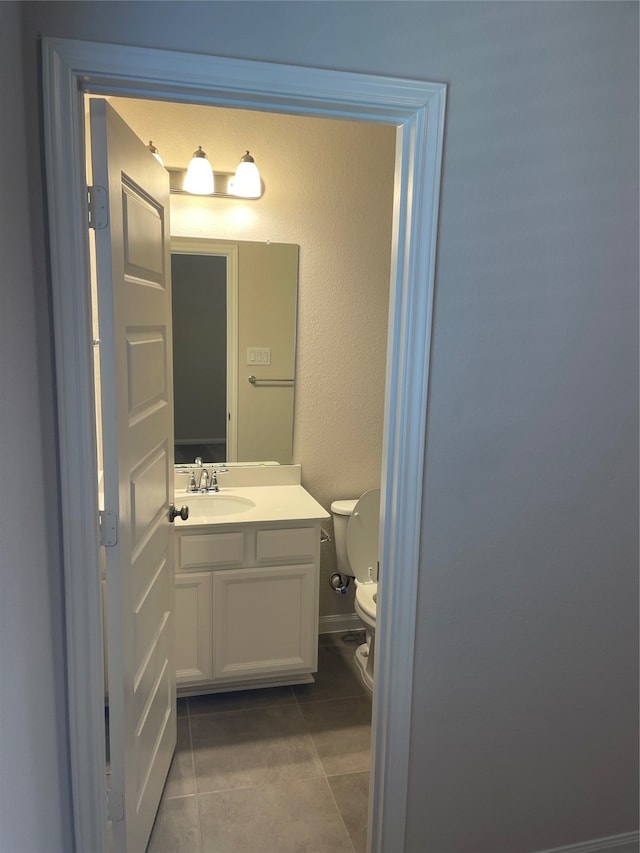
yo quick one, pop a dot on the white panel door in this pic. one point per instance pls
(134, 304)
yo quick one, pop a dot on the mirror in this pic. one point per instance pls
(234, 332)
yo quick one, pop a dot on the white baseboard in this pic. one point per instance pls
(628, 842)
(186, 442)
(339, 622)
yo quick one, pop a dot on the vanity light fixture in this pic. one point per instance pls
(246, 181)
(199, 177)
(154, 151)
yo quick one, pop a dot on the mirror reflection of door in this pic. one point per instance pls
(200, 356)
(234, 381)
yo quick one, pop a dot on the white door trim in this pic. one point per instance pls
(416, 108)
(626, 843)
(204, 246)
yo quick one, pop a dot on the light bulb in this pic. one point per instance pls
(199, 177)
(246, 181)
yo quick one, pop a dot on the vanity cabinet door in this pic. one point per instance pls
(264, 621)
(194, 642)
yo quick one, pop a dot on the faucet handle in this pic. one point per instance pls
(213, 482)
(192, 487)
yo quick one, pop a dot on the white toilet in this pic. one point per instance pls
(355, 525)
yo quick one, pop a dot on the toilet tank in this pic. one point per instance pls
(341, 511)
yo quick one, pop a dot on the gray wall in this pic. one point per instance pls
(34, 775)
(524, 732)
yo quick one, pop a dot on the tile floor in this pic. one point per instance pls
(281, 770)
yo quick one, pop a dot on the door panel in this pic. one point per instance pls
(142, 235)
(146, 360)
(134, 306)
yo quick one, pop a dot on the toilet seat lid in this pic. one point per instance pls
(362, 536)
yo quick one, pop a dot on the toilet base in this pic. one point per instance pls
(364, 659)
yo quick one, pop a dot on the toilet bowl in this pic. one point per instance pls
(366, 594)
(356, 526)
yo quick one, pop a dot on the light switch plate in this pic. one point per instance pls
(258, 356)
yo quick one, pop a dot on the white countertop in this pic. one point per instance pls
(271, 503)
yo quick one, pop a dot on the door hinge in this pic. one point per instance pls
(98, 203)
(108, 528)
(115, 805)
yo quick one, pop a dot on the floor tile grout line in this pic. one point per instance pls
(334, 699)
(236, 710)
(321, 775)
(328, 775)
(346, 773)
(195, 778)
(308, 734)
(244, 710)
(259, 785)
(292, 700)
(296, 703)
(314, 747)
(165, 798)
(340, 815)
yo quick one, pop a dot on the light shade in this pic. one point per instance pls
(246, 181)
(199, 177)
(154, 151)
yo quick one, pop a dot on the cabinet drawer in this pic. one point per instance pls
(289, 543)
(210, 549)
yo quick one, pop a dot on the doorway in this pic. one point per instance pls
(334, 309)
(417, 110)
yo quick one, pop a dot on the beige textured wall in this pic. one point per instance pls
(329, 189)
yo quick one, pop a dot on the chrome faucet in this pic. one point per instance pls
(208, 481)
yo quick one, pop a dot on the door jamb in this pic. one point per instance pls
(416, 108)
(204, 246)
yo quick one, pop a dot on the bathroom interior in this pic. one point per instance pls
(323, 223)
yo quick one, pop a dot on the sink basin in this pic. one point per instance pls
(211, 506)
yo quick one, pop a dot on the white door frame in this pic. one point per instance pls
(205, 246)
(416, 108)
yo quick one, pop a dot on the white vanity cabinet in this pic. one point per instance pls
(247, 604)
